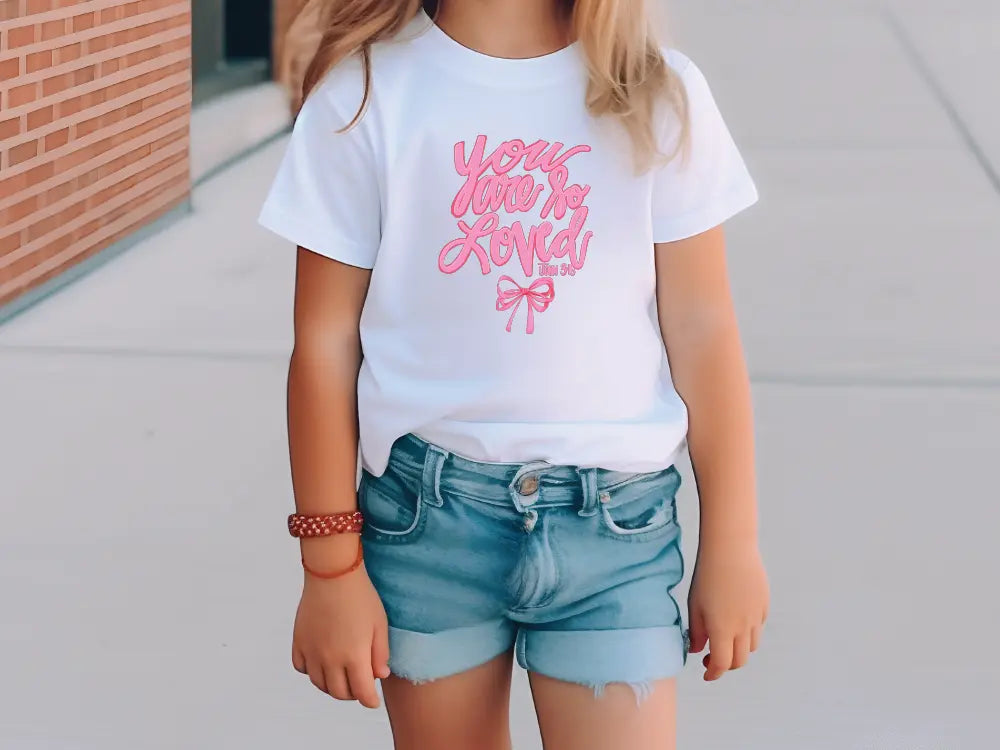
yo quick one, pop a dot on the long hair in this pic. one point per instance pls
(629, 77)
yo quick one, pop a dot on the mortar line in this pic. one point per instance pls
(951, 110)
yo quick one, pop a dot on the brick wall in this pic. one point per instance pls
(95, 99)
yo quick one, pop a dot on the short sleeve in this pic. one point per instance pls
(325, 196)
(709, 183)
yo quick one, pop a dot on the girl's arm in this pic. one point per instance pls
(729, 594)
(341, 636)
(323, 398)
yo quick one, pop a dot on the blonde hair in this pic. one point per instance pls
(629, 77)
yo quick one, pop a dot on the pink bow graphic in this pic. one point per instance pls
(511, 294)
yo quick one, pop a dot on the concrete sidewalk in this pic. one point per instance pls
(148, 596)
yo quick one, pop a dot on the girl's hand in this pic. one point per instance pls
(727, 606)
(341, 637)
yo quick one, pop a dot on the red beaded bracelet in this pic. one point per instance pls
(300, 525)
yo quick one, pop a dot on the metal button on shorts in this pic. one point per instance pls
(528, 485)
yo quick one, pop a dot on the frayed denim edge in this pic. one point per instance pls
(415, 680)
(642, 690)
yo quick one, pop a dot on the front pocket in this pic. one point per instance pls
(643, 510)
(392, 508)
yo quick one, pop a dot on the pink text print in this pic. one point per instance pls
(503, 180)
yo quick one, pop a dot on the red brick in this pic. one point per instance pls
(45, 226)
(39, 6)
(87, 179)
(73, 212)
(40, 117)
(70, 106)
(10, 128)
(142, 56)
(55, 84)
(164, 96)
(88, 229)
(53, 29)
(22, 153)
(22, 94)
(168, 139)
(20, 36)
(86, 127)
(84, 75)
(148, 5)
(108, 15)
(10, 242)
(80, 156)
(57, 139)
(84, 21)
(57, 245)
(123, 161)
(98, 44)
(19, 210)
(115, 115)
(13, 185)
(59, 192)
(9, 10)
(40, 174)
(38, 60)
(69, 52)
(10, 69)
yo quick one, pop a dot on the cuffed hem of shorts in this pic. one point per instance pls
(422, 657)
(596, 658)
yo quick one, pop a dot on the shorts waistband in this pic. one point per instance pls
(524, 486)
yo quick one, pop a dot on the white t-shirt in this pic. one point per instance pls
(511, 315)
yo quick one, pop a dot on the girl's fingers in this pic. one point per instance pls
(755, 638)
(741, 650)
(337, 684)
(362, 684)
(315, 672)
(697, 633)
(380, 651)
(298, 660)
(720, 657)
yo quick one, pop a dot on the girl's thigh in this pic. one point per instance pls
(467, 711)
(571, 717)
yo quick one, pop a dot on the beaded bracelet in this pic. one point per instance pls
(300, 525)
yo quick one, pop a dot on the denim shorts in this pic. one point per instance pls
(571, 567)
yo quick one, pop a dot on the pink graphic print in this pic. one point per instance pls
(502, 180)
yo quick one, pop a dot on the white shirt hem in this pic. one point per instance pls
(720, 210)
(320, 240)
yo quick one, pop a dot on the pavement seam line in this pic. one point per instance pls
(802, 380)
(136, 353)
(240, 156)
(923, 69)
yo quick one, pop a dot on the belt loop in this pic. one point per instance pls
(588, 480)
(430, 491)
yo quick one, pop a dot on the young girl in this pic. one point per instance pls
(508, 215)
